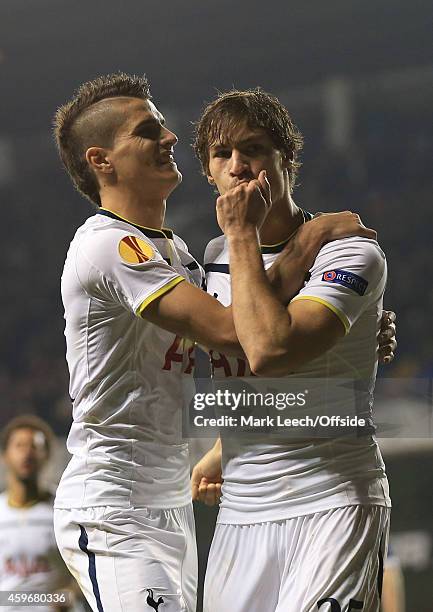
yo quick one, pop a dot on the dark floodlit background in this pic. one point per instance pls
(358, 79)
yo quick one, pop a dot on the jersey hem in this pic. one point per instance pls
(114, 503)
(286, 515)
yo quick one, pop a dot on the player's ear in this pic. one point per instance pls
(210, 180)
(97, 159)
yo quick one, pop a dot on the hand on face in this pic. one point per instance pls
(245, 206)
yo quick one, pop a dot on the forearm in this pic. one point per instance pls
(220, 334)
(214, 329)
(229, 343)
(286, 277)
(261, 321)
(191, 313)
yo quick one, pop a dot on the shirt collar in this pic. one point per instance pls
(150, 232)
(277, 248)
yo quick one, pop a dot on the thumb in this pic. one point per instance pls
(196, 477)
(265, 187)
(196, 474)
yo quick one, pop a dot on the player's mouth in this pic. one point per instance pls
(243, 181)
(27, 468)
(166, 158)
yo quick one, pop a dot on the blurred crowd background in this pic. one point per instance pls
(358, 80)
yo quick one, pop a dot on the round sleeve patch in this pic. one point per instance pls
(135, 250)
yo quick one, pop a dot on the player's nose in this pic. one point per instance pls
(168, 137)
(238, 163)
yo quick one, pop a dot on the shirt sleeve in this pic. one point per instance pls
(347, 276)
(125, 268)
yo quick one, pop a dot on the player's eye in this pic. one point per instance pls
(224, 153)
(254, 149)
(151, 131)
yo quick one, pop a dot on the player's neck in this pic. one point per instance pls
(284, 218)
(24, 494)
(149, 212)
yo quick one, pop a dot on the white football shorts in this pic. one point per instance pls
(329, 562)
(131, 560)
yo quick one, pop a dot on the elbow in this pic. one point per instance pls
(269, 369)
(270, 363)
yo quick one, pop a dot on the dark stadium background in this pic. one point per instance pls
(358, 79)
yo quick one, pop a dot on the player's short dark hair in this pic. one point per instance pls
(86, 121)
(259, 109)
(27, 421)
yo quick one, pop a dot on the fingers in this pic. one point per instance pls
(368, 233)
(202, 490)
(261, 187)
(209, 493)
(265, 187)
(335, 226)
(386, 337)
(334, 214)
(388, 348)
(387, 332)
(386, 353)
(388, 316)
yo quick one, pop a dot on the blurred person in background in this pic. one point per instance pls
(29, 559)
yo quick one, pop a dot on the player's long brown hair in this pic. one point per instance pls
(222, 117)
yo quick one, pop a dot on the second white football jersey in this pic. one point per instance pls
(267, 481)
(29, 559)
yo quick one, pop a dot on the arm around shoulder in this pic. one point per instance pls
(192, 313)
(346, 277)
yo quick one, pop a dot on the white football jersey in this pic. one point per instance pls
(266, 481)
(29, 559)
(127, 376)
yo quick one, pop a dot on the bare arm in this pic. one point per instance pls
(191, 313)
(279, 340)
(276, 340)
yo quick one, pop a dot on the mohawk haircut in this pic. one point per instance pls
(27, 421)
(259, 109)
(92, 118)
